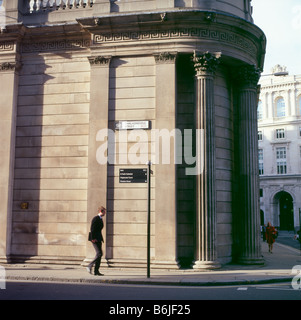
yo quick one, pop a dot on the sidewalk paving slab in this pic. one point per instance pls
(277, 268)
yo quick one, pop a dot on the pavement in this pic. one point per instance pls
(277, 268)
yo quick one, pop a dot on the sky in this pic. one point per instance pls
(280, 20)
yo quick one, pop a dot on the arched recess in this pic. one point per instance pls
(283, 207)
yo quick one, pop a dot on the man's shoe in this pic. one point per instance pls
(89, 269)
(98, 273)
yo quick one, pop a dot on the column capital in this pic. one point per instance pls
(10, 66)
(100, 61)
(248, 76)
(165, 57)
(206, 63)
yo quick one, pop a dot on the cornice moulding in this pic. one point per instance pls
(219, 29)
(168, 17)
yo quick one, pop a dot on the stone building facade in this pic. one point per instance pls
(279, 135)
(74, 75)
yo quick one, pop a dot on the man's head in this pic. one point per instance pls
(102, 211)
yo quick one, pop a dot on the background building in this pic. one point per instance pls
(279, 135)
(71, 71)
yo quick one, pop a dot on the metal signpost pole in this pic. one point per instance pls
(148, 216)
(130, 175)
(299, 229)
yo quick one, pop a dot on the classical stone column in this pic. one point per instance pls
(206, 257)
(249, 210)
(165, 170)
(97, 170)
(8, 107)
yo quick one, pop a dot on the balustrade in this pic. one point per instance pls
(43, 5)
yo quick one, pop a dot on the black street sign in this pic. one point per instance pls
(132, 175)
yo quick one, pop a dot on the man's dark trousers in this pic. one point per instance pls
(97, 259)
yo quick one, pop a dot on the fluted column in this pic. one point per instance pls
(206, 256)
(249, 210)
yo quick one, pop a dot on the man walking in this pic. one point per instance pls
(95, 236)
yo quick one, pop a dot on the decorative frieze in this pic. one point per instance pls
(7, 46)
(230, 38)
(59, 45)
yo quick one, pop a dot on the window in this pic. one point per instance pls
(259, 135)
(281, 160)
(300, 105)
(280, 108)
(280, 134)
(2, 17)
(259, 110)
(260, 158)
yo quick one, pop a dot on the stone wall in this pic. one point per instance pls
(132, 97)
(51, 155)
(224, 167)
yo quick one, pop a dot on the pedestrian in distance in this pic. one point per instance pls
(298, 236)
(96, 238)
(271, 235)
(263, 232)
